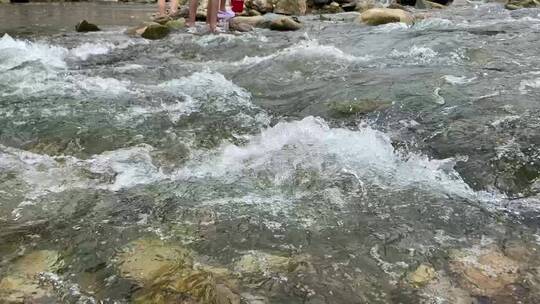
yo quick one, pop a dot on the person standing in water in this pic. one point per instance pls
(162, 8)
(211, 13)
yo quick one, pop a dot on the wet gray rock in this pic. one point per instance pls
(270, 21)
(285, 24)
(85, 26)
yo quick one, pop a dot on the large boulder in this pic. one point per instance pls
(290, 7)
(269, 21)
(517, 4)
(85, 26)
(378, 16)
(241, 23)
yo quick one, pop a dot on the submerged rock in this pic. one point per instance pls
(14, 289)
(421, 276)
(484, 273)
(262, 263)
(155, 31)
(21, 284)
(85, 26)
(443, 290)
(145, 259)
(344, 108)
(378, 16)
(165, 271)
(518, 4)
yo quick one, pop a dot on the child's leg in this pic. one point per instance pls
(211, 14)
(161, 7)
(222, 5)
(192, 12)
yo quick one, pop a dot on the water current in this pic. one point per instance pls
(362, 152)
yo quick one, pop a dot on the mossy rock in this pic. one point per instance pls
(155, 31)
(176, 24)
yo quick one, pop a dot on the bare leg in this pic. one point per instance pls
(211, 14)
(222, 5)
(161, 8)
(192, 12)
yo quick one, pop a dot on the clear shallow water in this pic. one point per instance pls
(231, 144)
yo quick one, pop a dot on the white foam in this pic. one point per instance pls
(307, 49)
(86, 50)
(14, 53)
(432, 23)
(525, 86)
(109, 86)
(456, 80)
(113, 170)
(418, 53)
(310, 144)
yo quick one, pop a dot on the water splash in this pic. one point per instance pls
(310, 144)
(14, 53)
(308, 49)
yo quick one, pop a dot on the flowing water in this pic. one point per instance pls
(366, 150)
